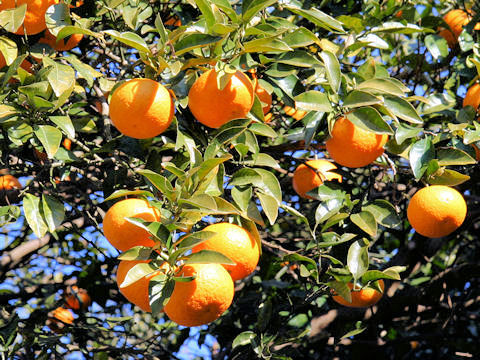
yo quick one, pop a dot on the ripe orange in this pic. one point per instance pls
(264, 97)
(436, 211)
(25, 65)
(136, 293)
(297, 114)
(124, 235)
(141, 108)
(77, 298)
(9, 182)
(203, 299)
(305, 178)
(173, 21)
(352, 146)
(363, 298)
(472, 97)
(58, 318)
(67, 144)
(456, 20)
(214, 107)
(236, 243)
(34, 21)
(268, 117)
(51, 40)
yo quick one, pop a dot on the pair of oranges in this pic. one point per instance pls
(76, 299)
(195, 302)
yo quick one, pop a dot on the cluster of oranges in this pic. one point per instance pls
(192, 303)
(75, 299)
(34, 23)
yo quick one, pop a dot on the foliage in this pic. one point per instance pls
(387, 72)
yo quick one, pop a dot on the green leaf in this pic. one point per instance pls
(263, 130)
(250, 8)
(313, 101)
(53, 212)
(332, 239)
(193, 41)
(420, 155)
(300, 37)
(193, 239)
(265, 45)
(373, 275)
(447, 177)
(159, 181)
(65, 124)
(136, 253)
(50, 138)
(358, 98)
(353, 332)
(269, 206)
(341, 289)
(242, 196)
(206, 9)
(160, 290)
(437, 46)
(8, 48)
(155, 228)
(31, 209)
(384, 213)
(318, 17)
(12, 19)
(369, 119)
(334, 75)
(404, 132)
(243, 339)
(62, 79)
(399, 28)
(403, 109)
(210, 164)
(365, 221)
(298, 58)
(208, 257)
(123, 193)
(383, 86)
(130, 39)
(452, 156)
(136, 273)
(357, 258)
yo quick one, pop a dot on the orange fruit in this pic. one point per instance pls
(472, 97)
(311, 175)
(399, 14)
(51, 40)
(265, 98)
(137, 292)
(203, 299)
(124, 235)
(214, 107)
(436, 211)
(58, 318)
(289, 110)
(67, 143)
(456, 20)
(77, 298)
(363, 298)
(268, 117)
(352, 146)
(173, 21)
(9, 182)
(34, 21)
(297, 114)
(25, 65)
(236, 243)
(141, 108)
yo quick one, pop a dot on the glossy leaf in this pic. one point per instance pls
(33, 214)
(357, 258)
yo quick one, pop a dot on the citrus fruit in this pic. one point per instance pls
(124, 235)
(352, 146)
(137, 292)
(214, 107)
(51, 40)
(363, 298)
(67, 144)
(472, 97)
(236, 243)
(295, 113)
(311, 175)
(34, 21)
(268, 117)
(9, 182)
(436, 211)
(265, 98)
(456, 19)
(203, 299)
(25, 65)
(77, 298)
(141, 108)
(173, 21)
(58, 318)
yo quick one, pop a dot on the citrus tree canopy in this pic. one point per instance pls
(218, 179)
